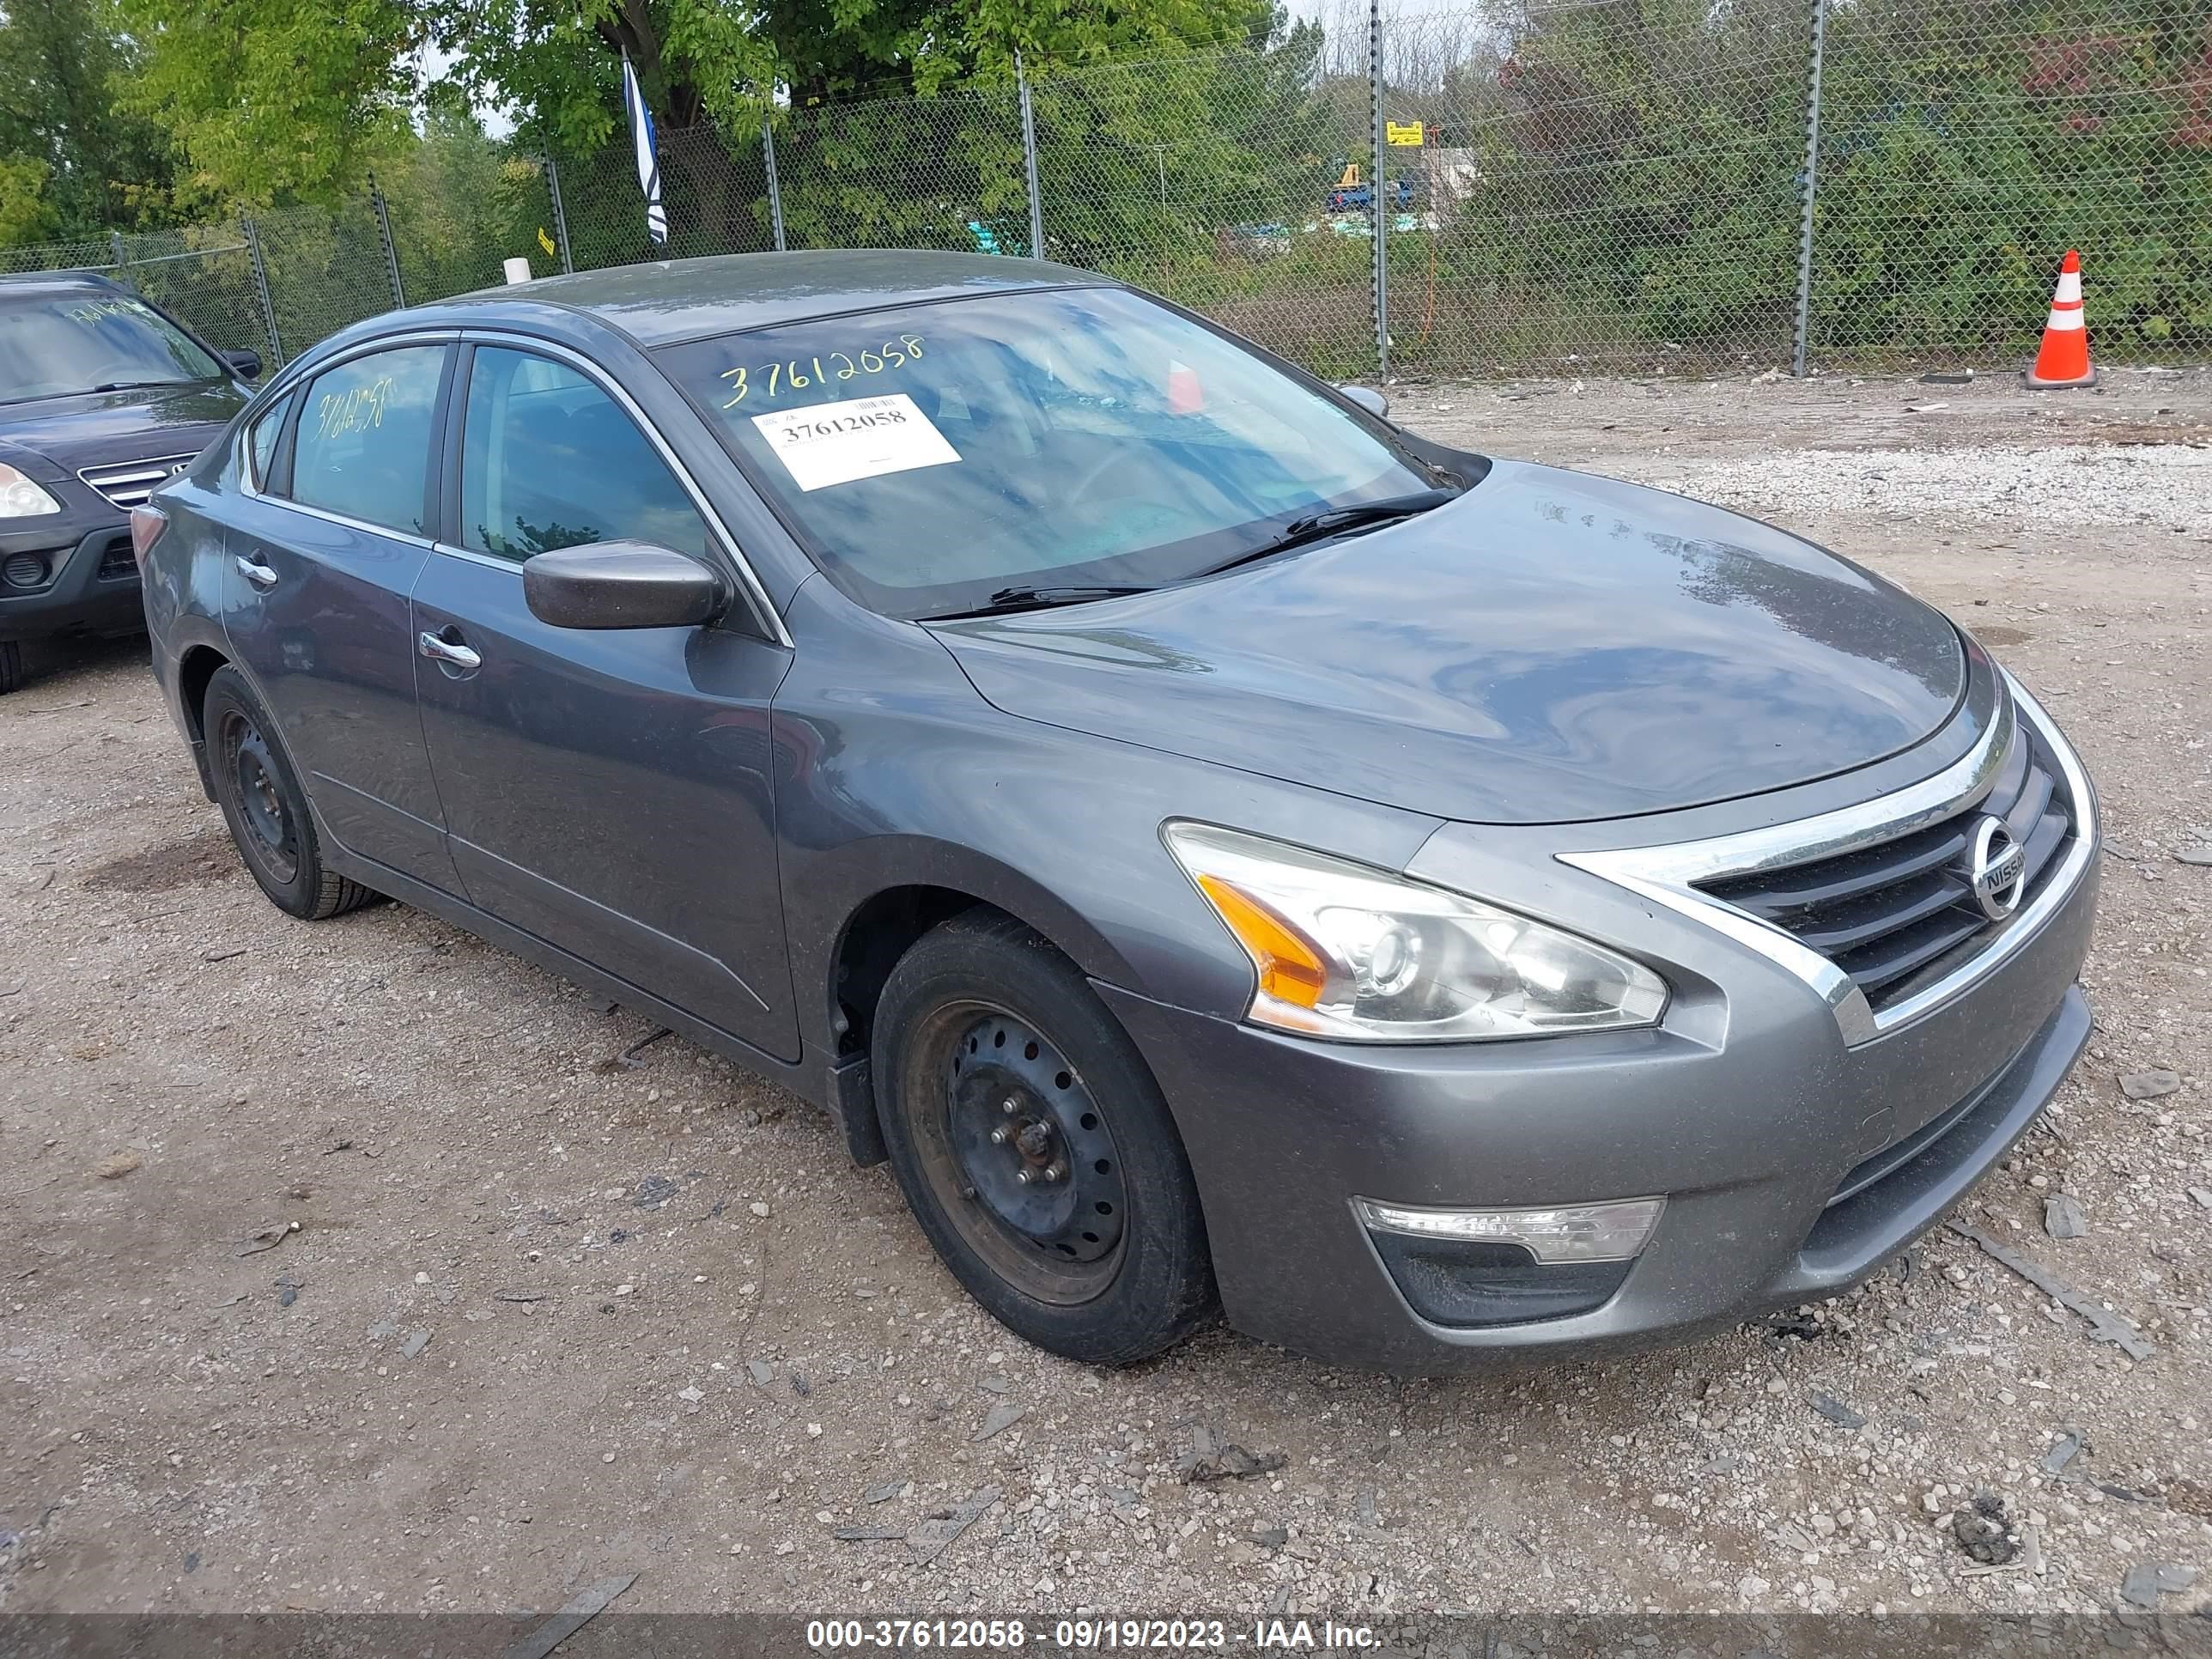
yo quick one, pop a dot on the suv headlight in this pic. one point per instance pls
(1360, 955)
(20, 498)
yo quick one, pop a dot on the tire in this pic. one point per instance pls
(993, 1057)
(265, 808)
(11, 667)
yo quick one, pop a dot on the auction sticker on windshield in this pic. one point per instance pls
(836, 443)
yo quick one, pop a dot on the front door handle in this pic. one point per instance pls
(441, 649)
(260, 575)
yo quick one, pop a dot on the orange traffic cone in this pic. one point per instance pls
(2064, 359)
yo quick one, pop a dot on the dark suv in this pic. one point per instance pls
(102, 397)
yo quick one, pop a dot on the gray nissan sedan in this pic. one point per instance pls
(1225, 851)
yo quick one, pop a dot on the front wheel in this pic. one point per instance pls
(1034, 1146)
(11, 665)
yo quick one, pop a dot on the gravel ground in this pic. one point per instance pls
(363, 1266)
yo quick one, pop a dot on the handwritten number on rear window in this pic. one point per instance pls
(799, 373)
(355, 410)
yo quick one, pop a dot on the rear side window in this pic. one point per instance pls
(262, 441)
(548, 460)
(363, 446)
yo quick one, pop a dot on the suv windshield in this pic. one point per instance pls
(932, 456)
(54, 344)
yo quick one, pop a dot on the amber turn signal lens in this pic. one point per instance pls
(1290, 969)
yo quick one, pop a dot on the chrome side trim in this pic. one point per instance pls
(474, 557)
(1666, 875)
(408, 537)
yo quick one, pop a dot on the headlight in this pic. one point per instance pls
(21, 499)
(1360, 955)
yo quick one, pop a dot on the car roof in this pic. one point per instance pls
(673, 300)
(57, 282)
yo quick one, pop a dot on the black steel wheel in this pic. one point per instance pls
(271, 844)
(265, 808)
(1034, 1147)
(1024, 1152)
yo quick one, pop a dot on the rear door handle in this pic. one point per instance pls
(260, 575)
(439, 649)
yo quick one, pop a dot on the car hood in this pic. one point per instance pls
(99, 429)
(1550, 648)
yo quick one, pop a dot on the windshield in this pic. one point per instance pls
(935, 455)
(58, 343)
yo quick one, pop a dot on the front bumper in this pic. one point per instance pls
(91, 584)
(1747, 1109)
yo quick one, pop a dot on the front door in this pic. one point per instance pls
(323, 555)
(608, 791)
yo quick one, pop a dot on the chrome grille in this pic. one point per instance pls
(1899, 913)
(129, 482)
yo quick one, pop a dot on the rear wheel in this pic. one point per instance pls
(1034, 1146)
(11, 665)
(265, 806)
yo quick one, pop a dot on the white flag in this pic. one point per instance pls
(641, 140)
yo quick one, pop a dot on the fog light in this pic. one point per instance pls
(1611, 1231)
(24, 570)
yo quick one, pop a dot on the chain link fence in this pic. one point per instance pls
(1207, 178)
(1689, 186)
(938, 173)
(1609, 185)
(1966, 144)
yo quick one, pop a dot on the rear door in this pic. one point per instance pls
(324, 548)
(607, 791)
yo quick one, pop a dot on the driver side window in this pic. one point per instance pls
(548, 460)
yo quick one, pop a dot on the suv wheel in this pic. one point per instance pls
(265, 806)
(1034, 1146)
(11, 665)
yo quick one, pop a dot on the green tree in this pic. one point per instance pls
(72, 161)
(270, 99)
(1968, 143)
(460, 202)
(26, 208)
(276, 98)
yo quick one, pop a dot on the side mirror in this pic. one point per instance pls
(246, 365)
(622, 585)
(1369, 399)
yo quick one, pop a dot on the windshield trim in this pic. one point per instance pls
(1402, 444)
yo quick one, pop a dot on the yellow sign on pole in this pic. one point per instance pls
(546, 242)
(1406, 135)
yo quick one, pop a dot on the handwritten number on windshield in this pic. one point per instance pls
(773, 378)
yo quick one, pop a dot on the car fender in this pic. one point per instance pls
(892, 771)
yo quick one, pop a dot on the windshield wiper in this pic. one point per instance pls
(1333, 520)
(137, 386)
(1039, 598)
